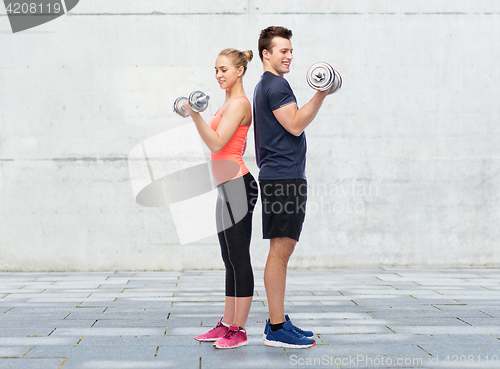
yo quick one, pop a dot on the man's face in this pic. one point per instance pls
(281, 56)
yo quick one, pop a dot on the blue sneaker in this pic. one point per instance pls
(267, 328)
(305, 333)
(297, 329)
(287, 337)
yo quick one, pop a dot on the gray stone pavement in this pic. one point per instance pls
(376, 318)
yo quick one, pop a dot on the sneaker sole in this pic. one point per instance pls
(286, 345)
(207, 339)
(230, 347)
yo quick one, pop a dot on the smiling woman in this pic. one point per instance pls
(231, 57)
(225, 136)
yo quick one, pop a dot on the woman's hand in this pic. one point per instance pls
(187, 108)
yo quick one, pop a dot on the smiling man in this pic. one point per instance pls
(280, 147)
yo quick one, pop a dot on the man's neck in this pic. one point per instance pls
(268, 68)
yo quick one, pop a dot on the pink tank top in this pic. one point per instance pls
(228, 163)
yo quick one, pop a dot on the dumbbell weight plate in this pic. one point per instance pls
(337, 83)
(178, 107)
(320, 76)
(198, 101)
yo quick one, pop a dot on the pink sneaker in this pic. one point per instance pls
(214, 334)
(233, 338)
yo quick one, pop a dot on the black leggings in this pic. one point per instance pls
(235, 203)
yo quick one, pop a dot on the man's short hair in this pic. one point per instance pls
(267, 35)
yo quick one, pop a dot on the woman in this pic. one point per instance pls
(225, 136)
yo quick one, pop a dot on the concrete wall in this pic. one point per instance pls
(403, 162)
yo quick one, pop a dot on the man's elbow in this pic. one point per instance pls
(295, 131)
(291, 126)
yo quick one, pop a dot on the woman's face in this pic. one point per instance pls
(226, 72)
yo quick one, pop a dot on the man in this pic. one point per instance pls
(280, 146)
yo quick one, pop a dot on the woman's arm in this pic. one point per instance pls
(232, 116)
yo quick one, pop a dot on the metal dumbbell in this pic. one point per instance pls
(197, 100)
(321, 77)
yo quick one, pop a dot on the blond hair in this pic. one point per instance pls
(238, 58)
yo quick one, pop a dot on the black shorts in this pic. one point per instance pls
(283, 207)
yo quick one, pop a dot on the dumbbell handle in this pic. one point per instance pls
(203, 98)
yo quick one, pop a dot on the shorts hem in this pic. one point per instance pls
(269, 236)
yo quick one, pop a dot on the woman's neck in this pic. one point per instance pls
(236, 90)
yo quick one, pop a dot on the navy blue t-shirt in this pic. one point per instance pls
(279, 154)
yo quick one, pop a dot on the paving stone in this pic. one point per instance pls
(118, 323)
(466, 329)
(328, 315)
(13, 351)
(417, 339)
(351, 329)
(190, 357)
(115, 331)
(490, 310)
(18, 313)
(307, 303)
(47, 305)
(84, 314)
(96, 341)
(435, 322)
(251, 356)
(121, 352)
(46, 324)
(436, 313)
(32, 363)
(139, 316)
(118, 320)
(484, 302)
(37, 341)
(482, 322)
(459, 349)
(25, 331)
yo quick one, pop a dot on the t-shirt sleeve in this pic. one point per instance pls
(280, 94)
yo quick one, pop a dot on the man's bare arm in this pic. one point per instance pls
(295, 121)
